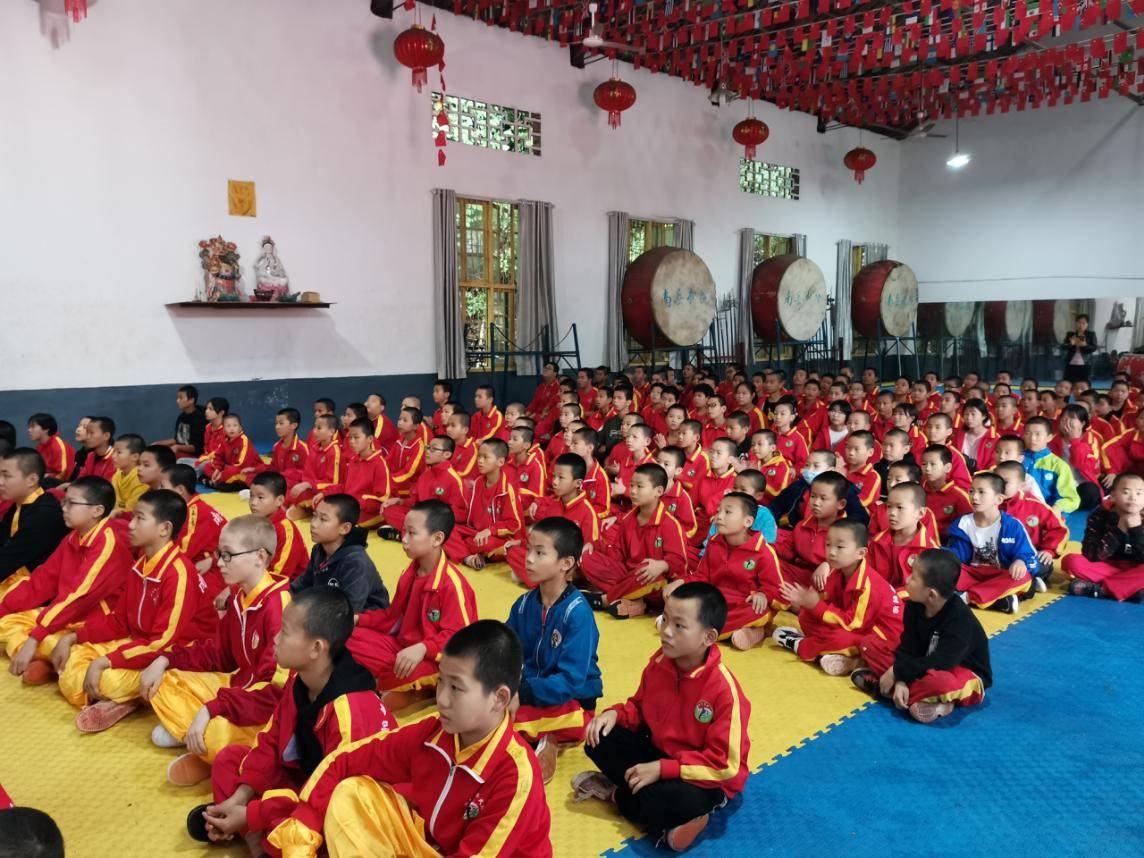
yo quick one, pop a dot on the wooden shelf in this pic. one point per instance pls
(248, 305)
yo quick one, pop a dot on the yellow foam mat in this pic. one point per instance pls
(109, 794)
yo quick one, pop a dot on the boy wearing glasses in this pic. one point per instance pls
(222, 690)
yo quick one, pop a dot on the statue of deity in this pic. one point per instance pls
(271, 280)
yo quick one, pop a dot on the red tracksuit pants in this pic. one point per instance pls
(960, 686)
(377, 652)
(1121, 578)
(986, 584)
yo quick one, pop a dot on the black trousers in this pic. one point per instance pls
(1077, 372)
(1090, 494)
(664, 804)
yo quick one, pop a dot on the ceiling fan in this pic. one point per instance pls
(594, 38)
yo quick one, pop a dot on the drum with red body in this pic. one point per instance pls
(1052, 320)
(1007, 320)
(887, 293)
(788, 298)
(668, 298)
(945, 318)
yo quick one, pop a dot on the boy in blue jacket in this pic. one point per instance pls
(998, 560)
(561, 679)
(1052, 474)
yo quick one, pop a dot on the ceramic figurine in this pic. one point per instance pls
(222, 273)
(271, 281)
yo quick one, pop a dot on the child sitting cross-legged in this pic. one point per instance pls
(942, 659)
(561, 681)
(198, 539)
(997, 556)
(739, 561)
(494, 515)
(221, 691)
(1045, 526)
(339, 559)
(853, 603)
(328, 703)
(463, 778)
(803, 549)
(1111, 560)
(677, 749)
(268, 493)
(893, 551)
(402, 644)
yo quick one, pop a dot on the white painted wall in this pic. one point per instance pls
(115, 151)
(1049, 207)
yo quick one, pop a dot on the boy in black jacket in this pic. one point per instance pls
(33, 525)
(942, 659)
(339, 558)
(1111, 559)
(789, 508)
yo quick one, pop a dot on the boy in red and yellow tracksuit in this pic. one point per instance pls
(682, 738)
(198, 540)
(367, 475)
(439, 481)
(525, 467)
(221, 690)
(235, 455)
(329, 702)
(82, 577)
(466, 782)
(494, 516)
(568, 501)
(406, 457)
(803, 548)
(289, 455)
(859, 468)
(745, 569)
(641, 553)
(710, 490)
(323, 469)
(432, 601)
(58, 456)
(854, 603)
(163, 604)
(894, 550)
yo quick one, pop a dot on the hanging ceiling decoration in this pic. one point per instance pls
(615, 96)
(882, 65)
(859, 159)
(750, 133)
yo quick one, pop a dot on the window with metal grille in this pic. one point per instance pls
(767, 246)
(646, 234)
(488, 236)
(490, 126)
(768, 180)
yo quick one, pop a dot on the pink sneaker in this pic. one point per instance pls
(102, 715)
(927, 713)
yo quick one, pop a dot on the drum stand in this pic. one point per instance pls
(885, 346)
(949, 353)
(814, 354)
(1011, 355)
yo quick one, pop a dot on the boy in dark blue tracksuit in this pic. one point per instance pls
(561, 679)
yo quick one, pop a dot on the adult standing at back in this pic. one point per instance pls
(1078, 348)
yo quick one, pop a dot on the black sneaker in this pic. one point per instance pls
(865, 680)
(1091, 589)
(788, 637)
(1008, 605)
(389, 534)
(197, 825)
(595, 600)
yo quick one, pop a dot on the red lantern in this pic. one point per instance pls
(76, 8)
(860, 160)
(418, 49)
(750, 133)
(614, 96)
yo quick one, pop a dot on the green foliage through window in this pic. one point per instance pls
(488, 236)
(490, 126)
(768, 180)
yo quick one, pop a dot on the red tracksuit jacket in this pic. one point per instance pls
(244, 648)
(628, 469)
(695, 469)
(198, 539)
(213, 438)
(777, 473)
(98, 466)
(679, 504)
(289, 460)
(528, 478)
(660, 539)
(291, 556)
(1084, 453)
(598, 489)
(441, 482)
(272, 763)
(484, 426)
(880, 520)
(84, 575)
(868, 483)
(895, 562)
(698, 720)
(1045, 527)
(405, 461)
(708, 493)
(368, 480)
(485, 800)
(464, 458)
(948, 503)
(576, 510)
(866, 604)
(162, 605)
(495, 507)
(804, 544)
(738, 571)
(426, 609)
(792, 447)
(58, 456)
(323, 469)
(384, 434)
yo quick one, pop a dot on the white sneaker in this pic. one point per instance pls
(161, 738)
(836, 664)
(788, 637)
(964, 596)
(1039, 585)
(244, 495)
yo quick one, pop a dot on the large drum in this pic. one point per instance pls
(788, 298)
(945, 319)
(885, 292)
(1052, 320)
(1007, 320)
(668, 298)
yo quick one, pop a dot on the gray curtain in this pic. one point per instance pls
(619, 244)
(743, 320)
(876, 252)
(450, 343)
(843, 324)
(535, 284)
(685, 234)
(798, 242)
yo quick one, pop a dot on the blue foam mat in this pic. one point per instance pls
(1051, 763)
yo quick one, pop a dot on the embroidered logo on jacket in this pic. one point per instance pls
(704, 712)
(556, 638)
(434, 615)
(748, 565)
(474, 807)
